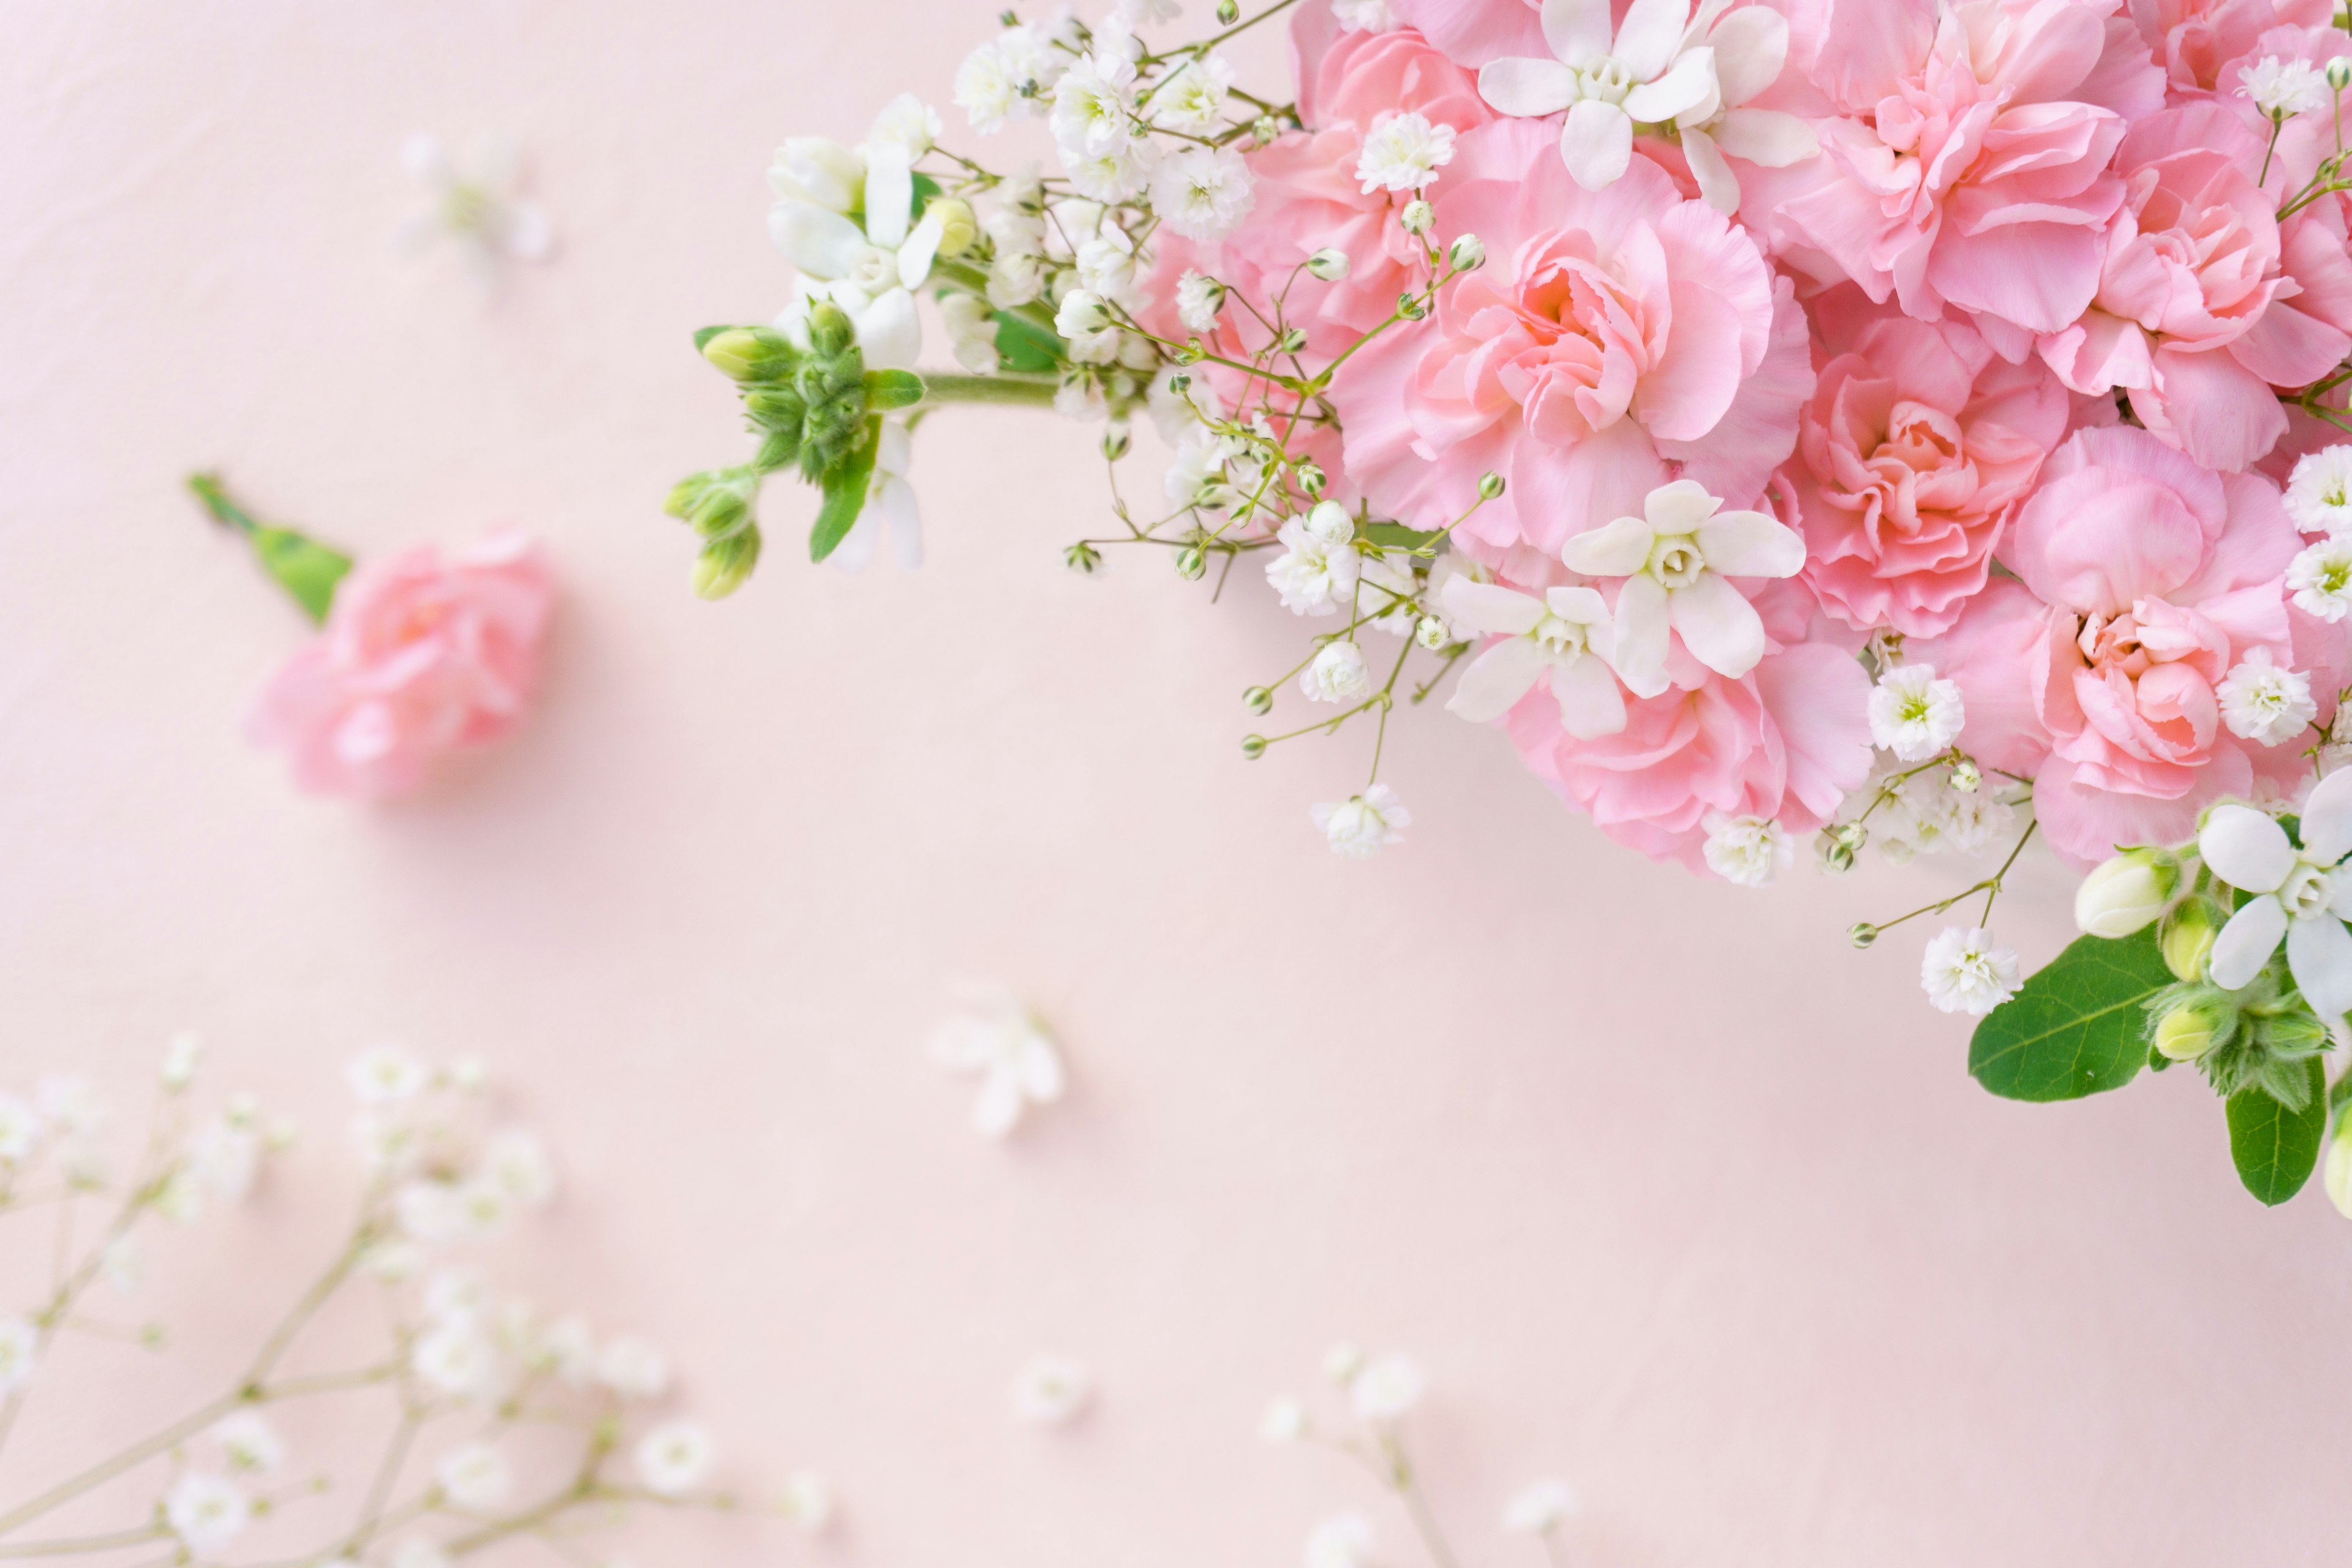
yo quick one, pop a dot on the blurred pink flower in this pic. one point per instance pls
(1918, 447)
(2196, 40)
(1610, 334)
(422, 653)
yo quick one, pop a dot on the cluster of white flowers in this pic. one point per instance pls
(996, 1038)
(2283, 89)
(1378, 1392)
(513, 1382)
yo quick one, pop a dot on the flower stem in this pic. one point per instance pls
(1031, 391)
(226, 512)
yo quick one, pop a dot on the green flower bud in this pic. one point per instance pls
(1228, 12)
(1467, 253)
(1852, 835)
(1418, 217)
(1862, 933)
(2192, 1028)
(1083, 558)
(1191, 352)
(1432, 633)
(1265, 129)
(724, 563)
(750, 354)
(2127, 893)
(2340, 73)
(1258, 700)
(1179, 383)
(1490, 486)
(831, 333)
(1967, 777)
(1836, 854)
(1410, 306)
(1190, 564)
(1294, 339)
(1253, 746)
(1330, 264)
(1116, 440)
(2187, 937)
(1311, 477)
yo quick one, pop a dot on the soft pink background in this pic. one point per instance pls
(1672, 1193)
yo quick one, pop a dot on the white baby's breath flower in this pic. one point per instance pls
(1335, 673)
(675, 1457)
(568, 1349)
(1364, 15)
(1386, 1388)
(1199, 298)
(517, 1162)
(1084, 319)
(251, 1444)
(458, 1359)
(205, 1511)
(1343, 1542)
(1051, 1391)
(1192, 100)
(417, 1551)
(2319, 491)
(181, 1054)
(1094, 106)
(225, 1159)
(634, 1369)
(2264, 703)
(1202, 193)
(475, 1476)
(2282, 89)
(1748, 851)
(122, 1263)
(181, 1199)
(1539, 1507)
(1342, 1361)
(1107, 264)
(907, 122)
(2321, 579)
(1008, 1048)
(1963, 971)
(1116, 174)
(1284, 1421)
(807, 1501)
(1913, 714)
(20, 1349)
(431, 1213)
(1405, 152)
(1002, 79)
(1316, 573)
(1362, 825)
(482, 1207)
(456, 1295)
(386, 1075)
(20, 1131)
(1138, 13)
(971, 333)
(73, 1105)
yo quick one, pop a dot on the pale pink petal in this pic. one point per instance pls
(1647, 38)
(1616, 549)
(1596, 143)
(1497, 679)
(1689, 86)
(1576, 30)
(1491, 607)
(1528, 86)
(1751, 544)
(1717, 623)
(1591, 704)
(1765, 136)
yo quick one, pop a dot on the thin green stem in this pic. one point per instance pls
(207, 489)
(1009, 386)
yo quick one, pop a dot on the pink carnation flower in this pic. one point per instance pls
(2192, 315)
(1610, 334)
(1785, 742)
(1966, 163)
(421, 654)
(1918, 446)
(2197, 41)
(1479, 32)
(2156, 577)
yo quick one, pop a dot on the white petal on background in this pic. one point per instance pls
(889, 331)
(1719, 624)
(997, 1109)
(856, 552)
(2246, 848)
(1491, 607)
(1577, 30)
(1750, 47)
(889, 193)
(1751, 544)
(2247, 943)
(1643, 636)
(1038, 1070)
(1680, 507)
(1652, 33)
(1497, 679)
(914, 257)
(2319, 952)
(821, 244)
(894, 498)
(1766, 137)
(1617, 549)
(1690, 86)
(528, 234)
(1717, 182)
(2326, 819)
(1528, 88)
(1596, 142)
(1589, 702)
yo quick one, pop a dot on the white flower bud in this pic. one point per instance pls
(1330, 264)
(2127, 894)
(1417, 216)
(1467, 253)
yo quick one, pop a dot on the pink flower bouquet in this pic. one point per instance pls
(1902, 423)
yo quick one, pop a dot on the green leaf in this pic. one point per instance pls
(303, 567)
(2340, 1091)
(926, 188)
(1397, 536)
(887, 389)
(2078, 1028)
(845, 495)
(1024, 345)
(2277, 1149)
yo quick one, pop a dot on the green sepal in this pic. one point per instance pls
(844, 494)
(2339, 1092)
(305, 568)
(702, 339)
(889, 389)
(926, 188)
(2275, 1147)
(1025, 346)
(2079, 1025)
(1397, 536)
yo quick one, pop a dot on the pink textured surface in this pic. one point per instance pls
(1673, 1193)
